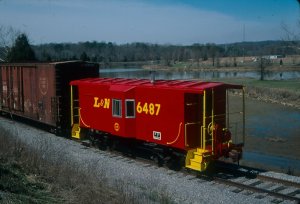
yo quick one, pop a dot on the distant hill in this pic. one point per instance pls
(110, 52)
(278, 47)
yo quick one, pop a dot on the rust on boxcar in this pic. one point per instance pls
(40, 91)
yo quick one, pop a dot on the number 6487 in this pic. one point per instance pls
(148, 108)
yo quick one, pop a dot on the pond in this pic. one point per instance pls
(272, 130)
(272, 135)
(136, 72)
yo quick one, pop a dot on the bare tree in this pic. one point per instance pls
(292, 36)
(8, 36)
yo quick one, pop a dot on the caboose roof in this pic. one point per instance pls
(122, 84)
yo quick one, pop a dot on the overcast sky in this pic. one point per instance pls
(154, 21)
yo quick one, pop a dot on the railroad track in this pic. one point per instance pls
(279, 192)
(252, 181)
(245, 180)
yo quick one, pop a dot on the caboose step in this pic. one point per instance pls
(76, 131)
(197, 159)
(201, 167)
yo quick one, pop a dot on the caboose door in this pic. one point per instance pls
(204, 114)
(193, 105)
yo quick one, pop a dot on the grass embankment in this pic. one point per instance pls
(41, 174)
(288, 85)
(28, 176)
(285, 92)
(17, 186)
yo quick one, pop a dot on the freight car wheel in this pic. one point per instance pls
(158, 160)
(102, 147)
(102, 143)
(175, 163)
(92, 138)
(112, 145)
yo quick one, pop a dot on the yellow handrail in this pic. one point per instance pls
(71, 98)
(80, 118)
(179, 130)
(203, 134)
(227, 109)
(193, 123)
(212, 121)
(216, 116)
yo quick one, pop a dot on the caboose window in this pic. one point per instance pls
(117, 108)
(130, 104)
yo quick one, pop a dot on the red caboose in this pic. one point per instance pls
(185, 119)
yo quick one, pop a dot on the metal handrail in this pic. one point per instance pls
(203, 132)
(185, 130)
(71, 101)
(212, 120)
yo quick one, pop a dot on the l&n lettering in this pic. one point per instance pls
(102, 103)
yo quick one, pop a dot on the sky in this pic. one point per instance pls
(182, 22)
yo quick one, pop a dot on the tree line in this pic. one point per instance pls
(107, 52)
(110, 52)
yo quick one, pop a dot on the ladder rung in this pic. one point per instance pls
(191, 104)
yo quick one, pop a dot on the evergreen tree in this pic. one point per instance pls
(21, 51)
(84, 57)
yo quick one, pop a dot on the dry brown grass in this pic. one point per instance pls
(66, 180)
(69, 181)
(275, 95)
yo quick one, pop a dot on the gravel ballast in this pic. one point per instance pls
(127, 174)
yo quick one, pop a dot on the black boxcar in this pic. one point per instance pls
(39, 92)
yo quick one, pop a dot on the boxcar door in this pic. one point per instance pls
(17, 89)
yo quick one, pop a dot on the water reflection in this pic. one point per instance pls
(135, 72)
(274, 121)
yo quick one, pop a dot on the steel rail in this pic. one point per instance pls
(256, 189)
(277, 180)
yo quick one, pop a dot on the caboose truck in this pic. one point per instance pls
(177, 122)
